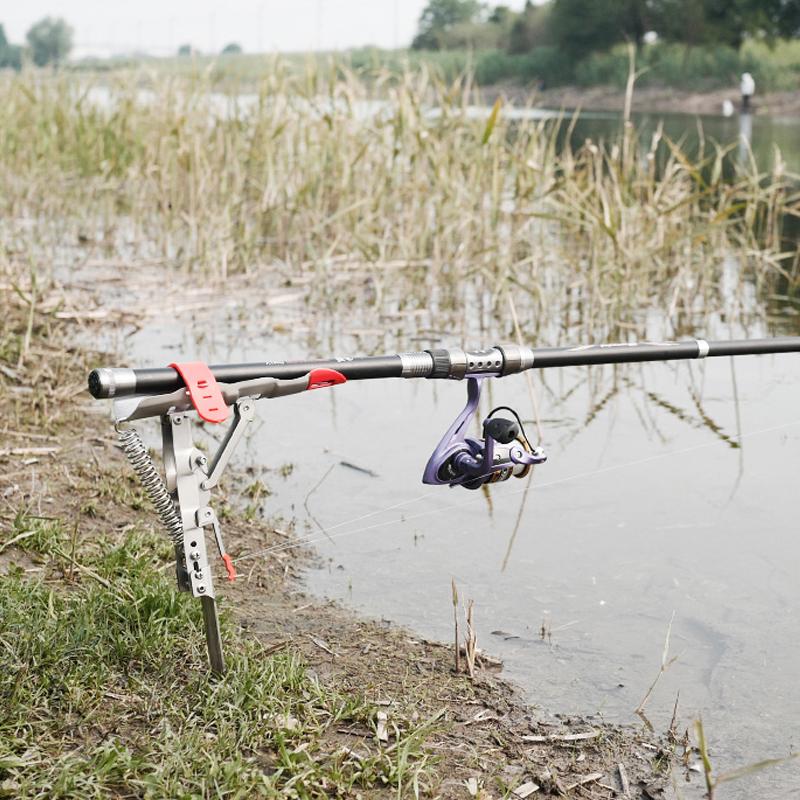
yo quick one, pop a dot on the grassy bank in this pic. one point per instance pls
(104, 688)
(317, 173)
(106, 693)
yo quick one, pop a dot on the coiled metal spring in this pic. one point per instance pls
(136, 452)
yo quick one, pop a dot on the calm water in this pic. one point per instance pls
(747, 135)
(644, 510)
(759, 135)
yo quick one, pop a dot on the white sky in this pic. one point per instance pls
(105, 27)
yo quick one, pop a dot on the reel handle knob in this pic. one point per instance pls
(501, 430)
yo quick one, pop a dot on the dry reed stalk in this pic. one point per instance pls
(470, 642)
(457, 648)
(666, 663)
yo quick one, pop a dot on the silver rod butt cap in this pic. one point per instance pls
(106, 382)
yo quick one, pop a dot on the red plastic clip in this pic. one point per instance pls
(320, 378)
(229, 567)
(203, 391)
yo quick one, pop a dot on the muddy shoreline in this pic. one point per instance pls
(645, 99)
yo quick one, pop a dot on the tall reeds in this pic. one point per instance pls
(324, 173)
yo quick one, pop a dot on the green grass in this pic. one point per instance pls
(34, 534)
(104, 691)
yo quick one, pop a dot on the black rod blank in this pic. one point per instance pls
(116, 382)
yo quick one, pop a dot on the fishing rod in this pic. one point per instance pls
(216, 393)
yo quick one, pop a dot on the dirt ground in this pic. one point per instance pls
(61, 459)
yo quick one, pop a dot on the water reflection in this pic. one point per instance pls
(747, 133)
(745, 137)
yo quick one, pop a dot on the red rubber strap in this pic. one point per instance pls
(320, 378)
(203, 390)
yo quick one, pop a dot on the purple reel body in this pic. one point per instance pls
(460, 460)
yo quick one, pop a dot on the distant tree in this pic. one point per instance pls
(185, 50)
(10, 54)
(636, 19)
(438, 17)
(232, 49)
(788, 18)
(530, 28)
(501, 15)
(725, 21)
(50, 41)
(581, 27)
(11, 57)
(473, 35)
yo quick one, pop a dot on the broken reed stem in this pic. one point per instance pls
(666, 663)
(455, 622)
(470, 642)
(672, 732)
(26, 341)
(712, 781)
(73, 548)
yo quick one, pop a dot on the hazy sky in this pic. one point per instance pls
(103, 27)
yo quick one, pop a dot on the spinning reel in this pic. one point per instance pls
(503, 452)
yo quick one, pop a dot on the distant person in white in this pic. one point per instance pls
(748, 88)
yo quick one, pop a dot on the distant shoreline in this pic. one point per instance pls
(649, 99)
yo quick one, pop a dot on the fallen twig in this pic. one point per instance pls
(562, 737)
(29, 451)
(591, 778)
(623, 780)
(322, 644)
(455, 621)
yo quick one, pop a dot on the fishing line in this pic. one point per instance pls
(557, 482)
(310, 540)
(374, 513)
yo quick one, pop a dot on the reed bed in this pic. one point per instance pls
(325, 173)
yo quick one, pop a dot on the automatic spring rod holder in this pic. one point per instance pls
(182, 498)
